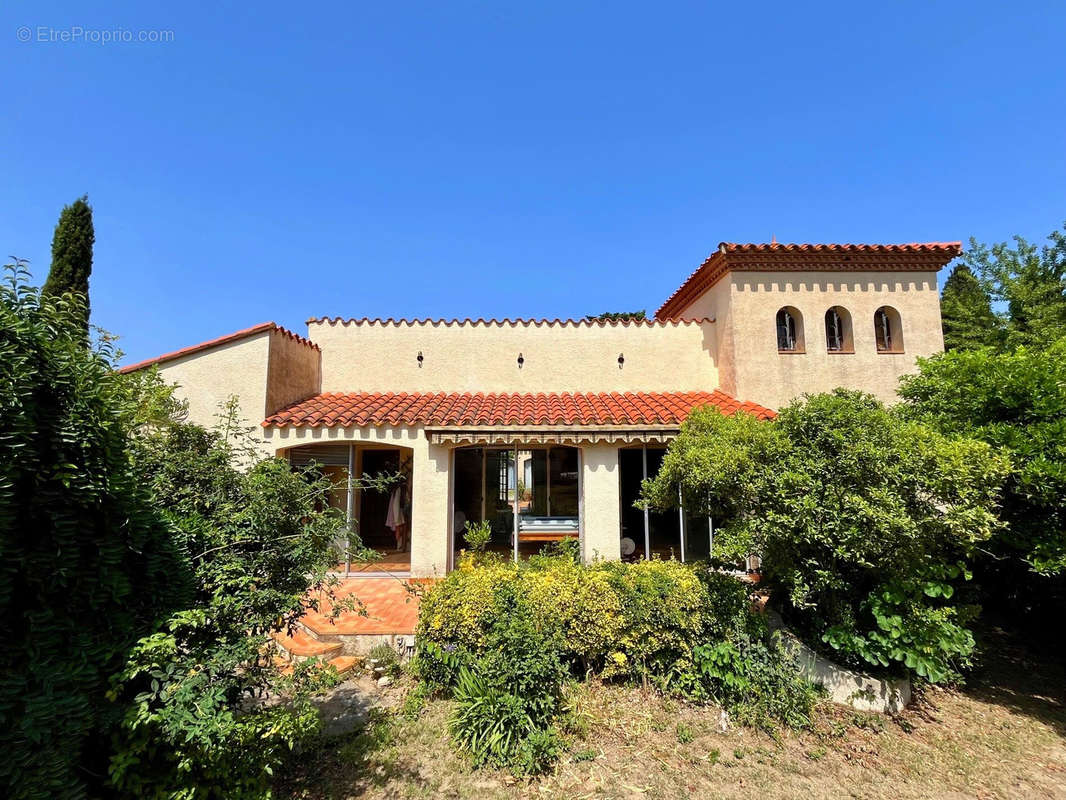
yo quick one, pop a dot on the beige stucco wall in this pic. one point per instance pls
(210, 377)
(763, 375)
(294, 371)
(601, 522)
(716, 304)
(482, 357)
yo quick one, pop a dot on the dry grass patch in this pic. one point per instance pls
(1003, 737)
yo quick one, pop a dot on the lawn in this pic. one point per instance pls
(1001, 736)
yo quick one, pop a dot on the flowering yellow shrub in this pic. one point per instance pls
(627, 620)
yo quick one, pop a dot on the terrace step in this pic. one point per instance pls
(301, 645)
(343, 664)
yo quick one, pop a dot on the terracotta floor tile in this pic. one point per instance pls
(391, 609)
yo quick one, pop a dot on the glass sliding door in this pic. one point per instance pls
(499, 495)
(664, 527)
(631, 474)
(540, 484)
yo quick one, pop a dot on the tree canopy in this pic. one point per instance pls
(87, 563)
(966, 310)
(72, 254)
(864, 521)
(1016, 402)
(1027, 285)
(619, 316)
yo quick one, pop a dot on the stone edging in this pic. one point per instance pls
(855, 689)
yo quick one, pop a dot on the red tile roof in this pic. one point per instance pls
(262, 327)
(780, 256)
(614, 408)
(945, 248)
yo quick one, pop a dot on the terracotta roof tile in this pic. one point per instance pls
(262, 327)
(778, 255)
(364, 409)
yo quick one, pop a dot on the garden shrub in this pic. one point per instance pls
(502, 636)
(88, 564)
(580, 605)
(506, 701)
(257, 542)
(860, 517)
(477, 536)
(462, 609)
(666, 611)
(755, 679)
(624, 620)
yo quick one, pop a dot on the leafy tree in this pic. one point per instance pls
(258, 543)
(864, 521)
(87, 565)
(1017, 403)
(619, 316)
(966, 310)
(72, 255)
(1030, 284)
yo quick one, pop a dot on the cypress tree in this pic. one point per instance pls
(967, 314)
(72, 253)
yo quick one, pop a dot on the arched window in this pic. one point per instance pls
(888, 330)
(838, 331)
(789, 330)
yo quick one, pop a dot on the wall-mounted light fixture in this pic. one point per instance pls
(420, 358)
(521, 360)
(621, 360)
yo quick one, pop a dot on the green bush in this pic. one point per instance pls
(387, 657)
(506, 701)
(500, 636)
(88, 563)
(255, 542)
(755, 679)
(666, 610)
(477, 536)
(850, 506)
(619, 620)
(1016, 402)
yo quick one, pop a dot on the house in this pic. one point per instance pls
(545, 428)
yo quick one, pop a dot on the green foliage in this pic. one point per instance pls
(966, 310)
(753, 677)
(386, 657)
(87, 564)
(72, 258)
(1015, 402)
(928, 640)
(507, 701)
(501, 635)
(844, 500)
(1029, 283)
(256, 543)
(666, 609)
(477, 536)
(684, 733)
(619, 316)
(538, 752)
(627, 620)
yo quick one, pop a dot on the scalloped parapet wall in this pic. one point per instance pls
(374, 355)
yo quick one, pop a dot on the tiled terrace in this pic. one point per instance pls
(391, 608)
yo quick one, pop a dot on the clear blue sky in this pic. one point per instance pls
(554, 159)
